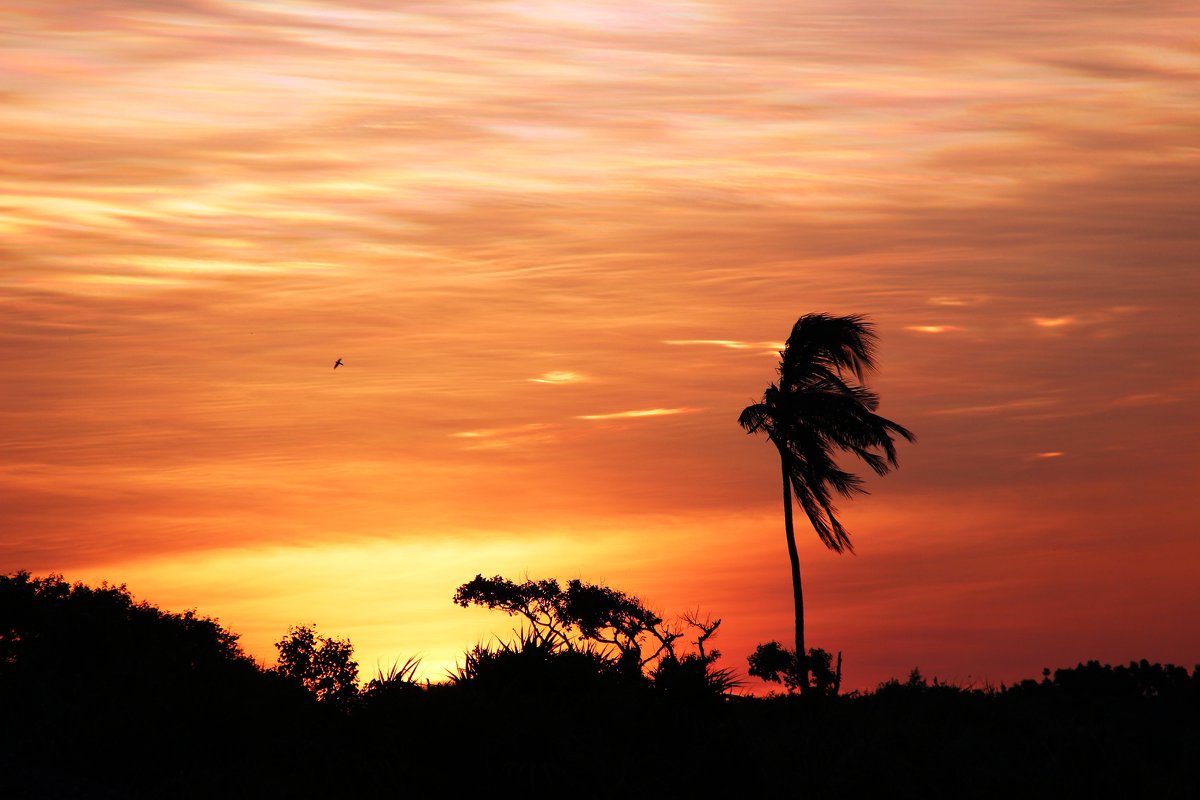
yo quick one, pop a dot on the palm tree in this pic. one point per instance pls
(812, 413)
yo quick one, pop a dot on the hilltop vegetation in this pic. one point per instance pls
(106, 697)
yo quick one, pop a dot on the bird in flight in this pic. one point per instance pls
(337, 363)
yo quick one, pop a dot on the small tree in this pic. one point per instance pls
(777, 664)
(584, 612)
(606, 625)
(323, 665)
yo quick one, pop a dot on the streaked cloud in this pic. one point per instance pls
(648, 412)
(531, 434)
(932, 328)
(956, 302)
(1012, 406)
(731, 344)
(1147, 399)
(559, 377)
(1053, 322)
(1104, 321)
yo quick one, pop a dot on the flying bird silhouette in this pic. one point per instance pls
(337, 363)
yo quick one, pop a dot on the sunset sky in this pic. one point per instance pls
(558, 245)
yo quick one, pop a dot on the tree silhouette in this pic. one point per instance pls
(815, 411)
(105, 696)
(583, 613)
(323, 665)
(591, 628)
(776, 664)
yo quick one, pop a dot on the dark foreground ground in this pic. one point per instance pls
(102, 698)
(906, 741)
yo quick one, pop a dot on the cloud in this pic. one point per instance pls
(528, 435)
(932, 328)
(1053, 322)
(956, 302)
(731, 344)
(649, 412)
(559, 377)
(1147, 399)
(997, 408)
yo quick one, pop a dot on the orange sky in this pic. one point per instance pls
(520, 222)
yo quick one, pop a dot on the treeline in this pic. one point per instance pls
(102, 696)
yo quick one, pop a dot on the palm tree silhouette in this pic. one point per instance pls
(811, 414)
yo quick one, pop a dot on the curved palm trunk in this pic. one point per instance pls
(797, 589)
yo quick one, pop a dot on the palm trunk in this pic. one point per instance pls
(797, 590)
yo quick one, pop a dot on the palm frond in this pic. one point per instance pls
(817, 411)
(754, 417)
(822, 516)
(823, 344)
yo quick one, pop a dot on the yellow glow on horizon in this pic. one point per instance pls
(392, 598)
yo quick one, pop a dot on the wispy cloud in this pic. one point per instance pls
(997, 408)
(1147, 399)
(956, 302)
(1092, 318)
(649, 412)
(1054, 322)
(732, 344)
(559, 377)
(932, 328)
(491, 433)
